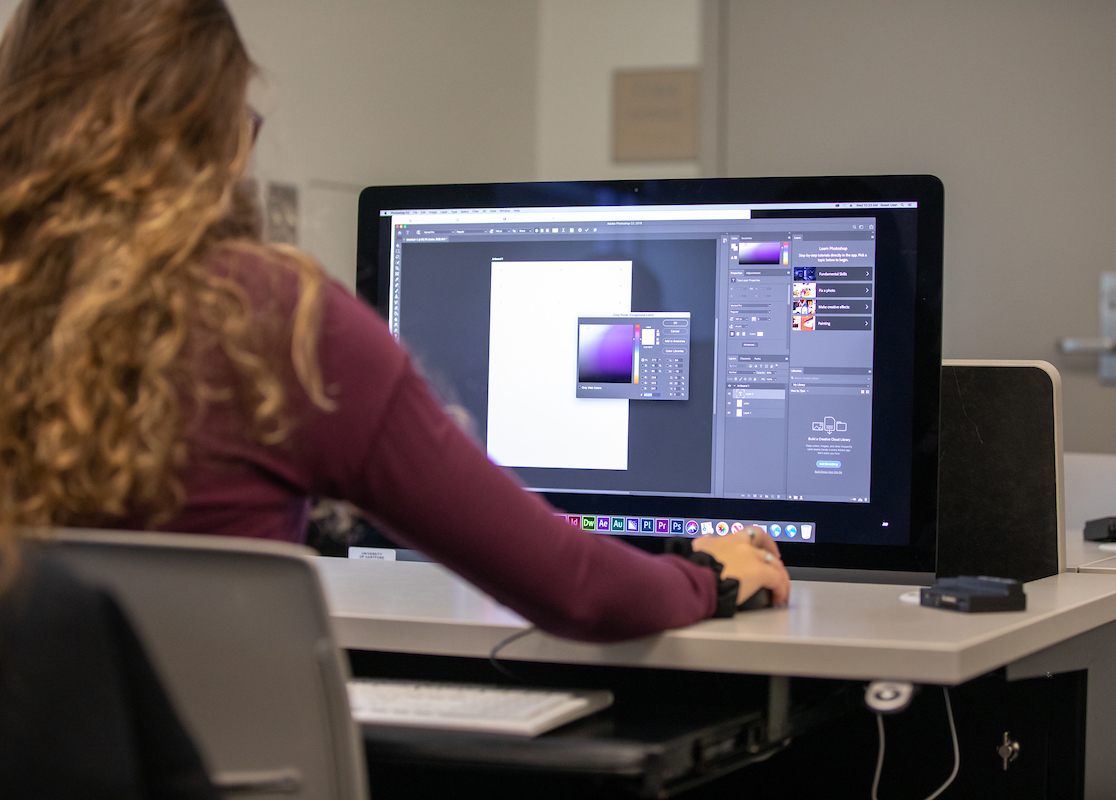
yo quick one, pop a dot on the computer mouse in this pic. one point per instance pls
(761, 599)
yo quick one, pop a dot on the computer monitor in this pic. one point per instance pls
(686, 357)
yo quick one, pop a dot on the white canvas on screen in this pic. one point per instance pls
(535, 418)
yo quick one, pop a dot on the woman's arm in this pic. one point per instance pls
(389, 448)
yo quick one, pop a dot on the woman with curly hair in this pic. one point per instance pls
(160, 368)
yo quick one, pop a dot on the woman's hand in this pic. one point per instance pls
(752, 557)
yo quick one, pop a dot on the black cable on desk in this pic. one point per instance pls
(500, 646)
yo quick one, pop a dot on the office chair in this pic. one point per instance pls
(239, 632)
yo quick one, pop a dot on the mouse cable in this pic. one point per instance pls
(501, 645)
(956, 751)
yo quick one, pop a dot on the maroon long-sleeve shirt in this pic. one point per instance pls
(389, 449)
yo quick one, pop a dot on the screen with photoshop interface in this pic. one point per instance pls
(669, 351)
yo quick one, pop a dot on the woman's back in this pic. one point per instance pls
(161, 368)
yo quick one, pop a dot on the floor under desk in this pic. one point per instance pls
(833, 742)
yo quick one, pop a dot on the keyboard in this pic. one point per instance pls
(470, 707)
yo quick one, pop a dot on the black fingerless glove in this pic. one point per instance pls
(727, 588)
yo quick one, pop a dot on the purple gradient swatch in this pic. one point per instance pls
(605, 353)
(760, 252)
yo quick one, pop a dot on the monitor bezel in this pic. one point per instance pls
(914, 562)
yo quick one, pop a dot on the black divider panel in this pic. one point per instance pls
(997, 482)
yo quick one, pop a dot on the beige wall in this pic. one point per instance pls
(1011, 104)
(362, 92)
(580, 44)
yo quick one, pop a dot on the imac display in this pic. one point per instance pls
(677, 358)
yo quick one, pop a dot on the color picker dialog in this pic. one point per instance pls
(634, 356)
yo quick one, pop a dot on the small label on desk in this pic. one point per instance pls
(373, 553)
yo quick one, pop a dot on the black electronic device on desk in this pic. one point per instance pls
(975, 594)
(1101, 530)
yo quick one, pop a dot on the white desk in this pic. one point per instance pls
(855, 631)
(1090, 494)
(1080, 553)
(831, 630)
(1088, 556)
(1104, 566)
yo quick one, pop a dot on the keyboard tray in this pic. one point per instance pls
(649, 746)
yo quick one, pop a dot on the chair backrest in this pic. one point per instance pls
(1001, 507)
(239, 632)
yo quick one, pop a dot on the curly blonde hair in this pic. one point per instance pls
(123, 138)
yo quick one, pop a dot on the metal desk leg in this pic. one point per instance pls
(778, 707)
(1095, 651)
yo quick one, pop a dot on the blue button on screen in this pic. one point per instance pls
(828, 464)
